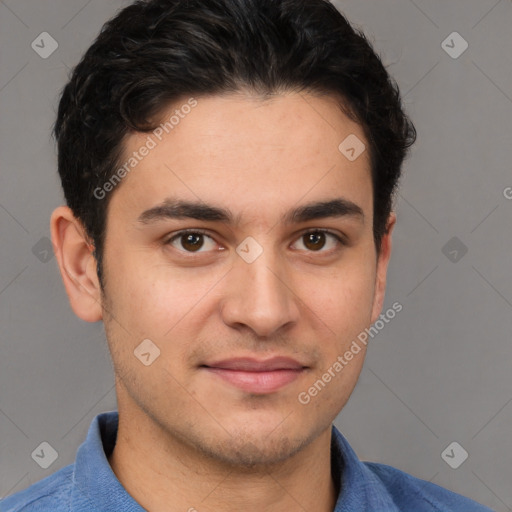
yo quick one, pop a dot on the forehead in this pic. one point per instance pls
(250, 153)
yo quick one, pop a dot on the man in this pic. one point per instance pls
(229, 169)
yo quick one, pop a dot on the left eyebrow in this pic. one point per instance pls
(339, 207)
(180, 209)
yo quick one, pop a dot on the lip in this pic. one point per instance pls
(257, 376)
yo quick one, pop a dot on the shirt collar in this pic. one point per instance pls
(94, 482)
(96, 485)
(360, 489)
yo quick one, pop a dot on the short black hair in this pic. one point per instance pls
(156, 51)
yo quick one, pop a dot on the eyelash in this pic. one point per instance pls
(199, 231)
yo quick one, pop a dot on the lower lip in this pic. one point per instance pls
(257, 382)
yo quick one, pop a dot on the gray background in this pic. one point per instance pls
(438, 372)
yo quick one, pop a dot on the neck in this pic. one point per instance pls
(162, 473)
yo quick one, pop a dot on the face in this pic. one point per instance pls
(254, 303)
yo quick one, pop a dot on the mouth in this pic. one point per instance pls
(257, 376)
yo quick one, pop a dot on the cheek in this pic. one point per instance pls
(343, 299)
(157, 299)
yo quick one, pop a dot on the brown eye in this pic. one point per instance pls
(314, 241)
(320, 240)
(191, 241)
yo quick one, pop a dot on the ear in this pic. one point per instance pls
(77, 264)
(382, 268)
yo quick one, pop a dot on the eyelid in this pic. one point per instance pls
(335, 234)
(187, 231)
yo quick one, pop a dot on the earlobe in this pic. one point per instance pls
(77, 264)
(382, 267)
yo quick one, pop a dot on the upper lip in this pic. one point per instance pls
(249, 364)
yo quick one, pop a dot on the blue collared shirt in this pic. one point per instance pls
(90, 485)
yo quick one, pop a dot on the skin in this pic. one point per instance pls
(187, 439)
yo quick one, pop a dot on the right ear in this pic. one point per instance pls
(77, 264)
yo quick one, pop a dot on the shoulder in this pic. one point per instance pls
(408, 491)
(51, 493)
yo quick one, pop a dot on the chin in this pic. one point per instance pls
(247, 447)
(251, 452)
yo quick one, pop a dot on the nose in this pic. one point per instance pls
(260, 296)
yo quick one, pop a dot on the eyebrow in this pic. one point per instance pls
(180, 209)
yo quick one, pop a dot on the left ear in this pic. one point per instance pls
(382, 268)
